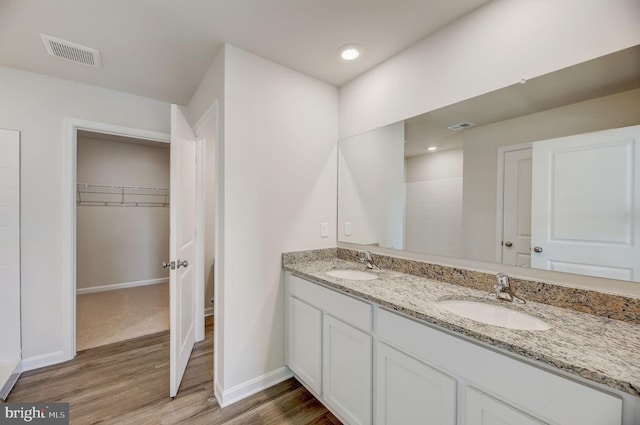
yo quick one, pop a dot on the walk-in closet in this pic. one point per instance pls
(122, 237)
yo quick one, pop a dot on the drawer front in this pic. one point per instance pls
(541, 394)
(484, 410)
(345, 308)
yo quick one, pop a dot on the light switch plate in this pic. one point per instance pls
(347, 228)
(324, 230)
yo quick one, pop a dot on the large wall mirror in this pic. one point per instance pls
(542, 174)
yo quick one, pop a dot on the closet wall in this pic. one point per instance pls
(121, 246)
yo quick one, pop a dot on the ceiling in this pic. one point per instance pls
(162, 48)
(609, 74)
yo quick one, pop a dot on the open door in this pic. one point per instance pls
(586, 200)
(182, 225)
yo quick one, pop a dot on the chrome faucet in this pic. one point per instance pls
(366, 258)
(504, 291)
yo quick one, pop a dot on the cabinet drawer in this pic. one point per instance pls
(483, 410)
(347, 309)
(532, 390)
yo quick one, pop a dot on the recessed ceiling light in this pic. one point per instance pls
(350, 52)
(432, 148)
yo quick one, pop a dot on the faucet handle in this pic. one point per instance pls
(503, 281)
(364, 256)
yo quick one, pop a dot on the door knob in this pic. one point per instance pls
(182, 263)
(508, 244)
(537, 249)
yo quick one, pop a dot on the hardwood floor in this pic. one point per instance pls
(128, 383)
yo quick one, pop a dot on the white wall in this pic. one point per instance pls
(9, 252)
(434, 203)
(481, 156)
(275, 188)
(493, 47)
(36, 105)
(371, 187)
(136, 239)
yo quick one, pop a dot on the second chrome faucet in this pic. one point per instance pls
(503, 290)
(366, 258)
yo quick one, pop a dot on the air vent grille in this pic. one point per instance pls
(71, 52)
(460, 126)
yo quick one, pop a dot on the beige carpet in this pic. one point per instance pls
(112, 316)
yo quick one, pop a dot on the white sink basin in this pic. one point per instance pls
(494, 315)
(352, 274)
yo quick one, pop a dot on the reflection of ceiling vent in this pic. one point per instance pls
(460, 126)
(71, 52)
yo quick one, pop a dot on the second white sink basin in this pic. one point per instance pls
(352, 274)
(494, 315)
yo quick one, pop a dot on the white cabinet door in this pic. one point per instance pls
(484, 410)
(347, 370)
(304, 343)
(410, 392)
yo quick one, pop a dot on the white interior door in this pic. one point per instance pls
(586, 202)
(516, 240)
(182, 224)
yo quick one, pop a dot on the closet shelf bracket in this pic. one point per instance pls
(121, 196)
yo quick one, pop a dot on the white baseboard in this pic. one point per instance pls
(246, 389)
(43, 360)
(122, 285)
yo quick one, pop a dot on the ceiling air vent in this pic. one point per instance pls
(460, 126)
(71, 52)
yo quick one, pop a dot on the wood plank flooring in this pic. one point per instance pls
(128, 383)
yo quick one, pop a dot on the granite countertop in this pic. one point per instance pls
(599, 349)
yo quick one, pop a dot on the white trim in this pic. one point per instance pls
(208, 117)
(124, 285)
(217, 391)
(500, 194)
(36, 362)
(71, 126)
(246, 389)
(200, 236)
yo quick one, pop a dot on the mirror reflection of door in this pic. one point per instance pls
(516, 241)
(586, 202)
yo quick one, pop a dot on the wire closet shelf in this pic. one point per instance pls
(121, 196)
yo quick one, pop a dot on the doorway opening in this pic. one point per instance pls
(74, 126)
(186, 230)
(513, 211)
(122, 238)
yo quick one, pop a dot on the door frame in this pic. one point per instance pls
(502, 151)
(71, 127)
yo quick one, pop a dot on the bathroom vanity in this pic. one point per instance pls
(386, 351)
